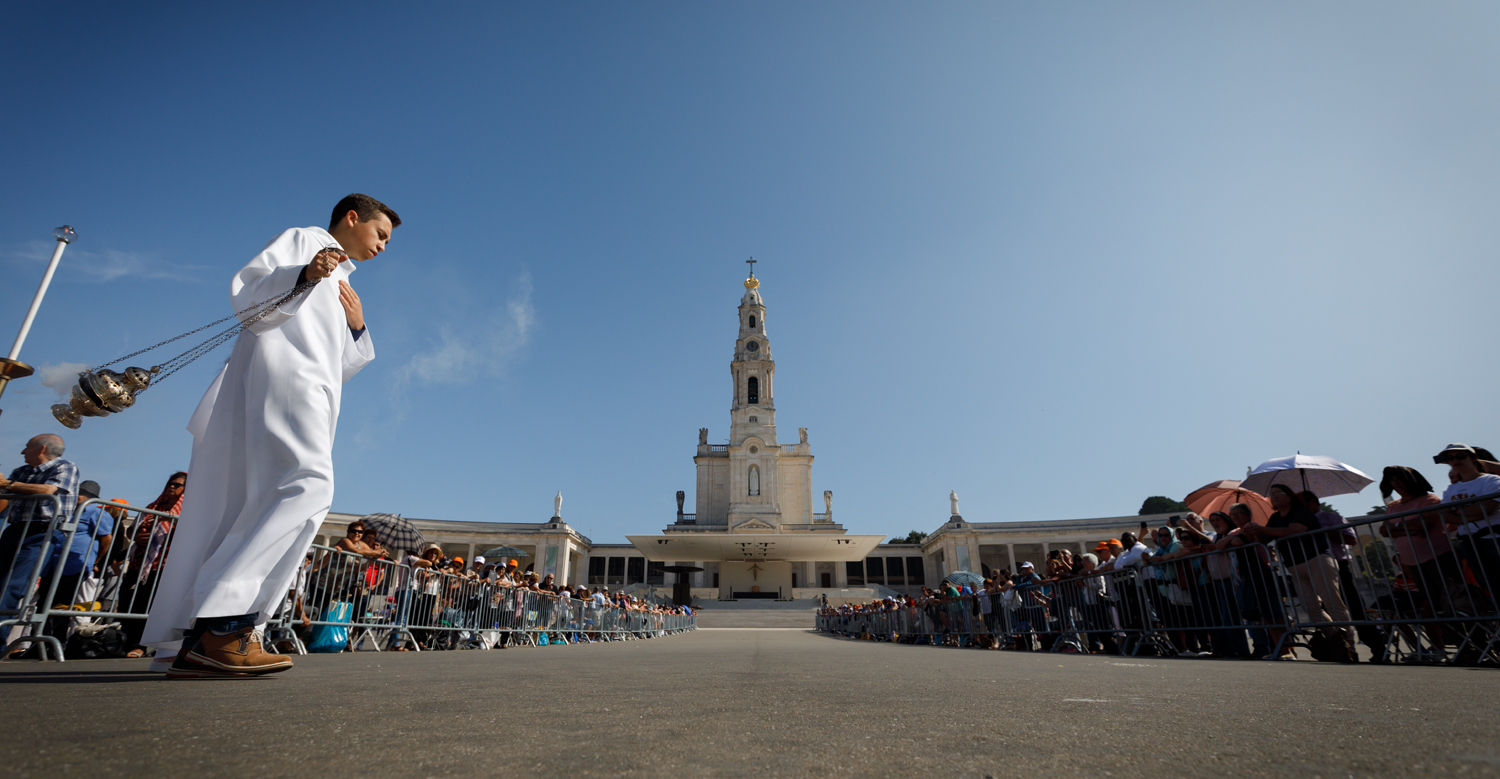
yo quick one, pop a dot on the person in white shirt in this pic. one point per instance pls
(1128, 594)
(1131, 557)
(1094, 607)
(1477, 524)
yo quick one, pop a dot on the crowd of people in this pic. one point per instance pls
(1230, 586)
(113, 562)
(113, 559)
(442, 602)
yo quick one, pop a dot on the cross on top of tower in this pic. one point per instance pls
(751, 262)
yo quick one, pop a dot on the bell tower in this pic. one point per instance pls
(753, 412)
(755, 477)
(753, 483)
(755, 518)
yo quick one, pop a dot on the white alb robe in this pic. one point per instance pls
(261, 477)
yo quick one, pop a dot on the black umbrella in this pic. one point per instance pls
(393, 531)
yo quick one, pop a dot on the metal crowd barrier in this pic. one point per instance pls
(24, 548)
(1119, 611)
(1417, 586)
(1433, 600)
(381, 602)
(385, 605)
(113, 585)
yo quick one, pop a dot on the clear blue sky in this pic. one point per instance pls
(1057, 257)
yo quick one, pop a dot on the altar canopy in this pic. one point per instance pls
(261, 475)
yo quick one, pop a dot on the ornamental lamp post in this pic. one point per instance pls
(10, 367)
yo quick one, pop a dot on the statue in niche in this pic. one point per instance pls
(702, 436)
(681, 496)
(557, 504)
(802, 432)
(828, 501)
(953, 501)
(754, 480)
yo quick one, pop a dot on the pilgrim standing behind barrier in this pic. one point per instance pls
(45, 473)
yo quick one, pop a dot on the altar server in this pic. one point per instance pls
(262, 462)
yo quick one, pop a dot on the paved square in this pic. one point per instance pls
(752, 703)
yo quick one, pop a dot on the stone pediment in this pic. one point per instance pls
(754, 526)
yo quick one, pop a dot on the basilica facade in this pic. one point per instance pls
(755, 531)
(754, 520)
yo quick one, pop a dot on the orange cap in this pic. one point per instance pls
(513, 562)
(119, 500)
(458, 559)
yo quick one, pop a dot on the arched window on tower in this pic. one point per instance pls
(752, 391)
(752, 321)
(754, 480)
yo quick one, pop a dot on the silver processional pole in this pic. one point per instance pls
(11, 367)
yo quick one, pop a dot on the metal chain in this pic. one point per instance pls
(255, 312)
(261, 310)
(299, 289)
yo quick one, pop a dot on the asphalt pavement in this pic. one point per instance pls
(751, 702)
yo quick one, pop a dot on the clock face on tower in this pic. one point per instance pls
(752, 346)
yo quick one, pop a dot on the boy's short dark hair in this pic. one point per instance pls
(363, 206)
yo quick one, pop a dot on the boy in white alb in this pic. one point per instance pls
(262, 461)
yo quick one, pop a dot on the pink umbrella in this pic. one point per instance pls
(1220, 495)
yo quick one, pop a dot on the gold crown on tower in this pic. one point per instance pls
(752, 283)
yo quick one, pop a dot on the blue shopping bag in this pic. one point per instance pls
(332, 638)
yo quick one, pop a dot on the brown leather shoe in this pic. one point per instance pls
(239, 652)
(184, 668)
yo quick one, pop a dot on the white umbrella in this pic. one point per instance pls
(1323, 475)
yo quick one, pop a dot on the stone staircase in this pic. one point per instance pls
(756, 614)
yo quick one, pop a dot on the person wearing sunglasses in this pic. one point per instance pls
(358, 540)
(353, 540)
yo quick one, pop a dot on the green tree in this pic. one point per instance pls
(1377, 559)
(1161, 504)
(914, 537)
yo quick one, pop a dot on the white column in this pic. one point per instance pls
(1010, 552)
(565, 560)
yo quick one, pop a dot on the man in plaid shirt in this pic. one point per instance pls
(45, 473)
